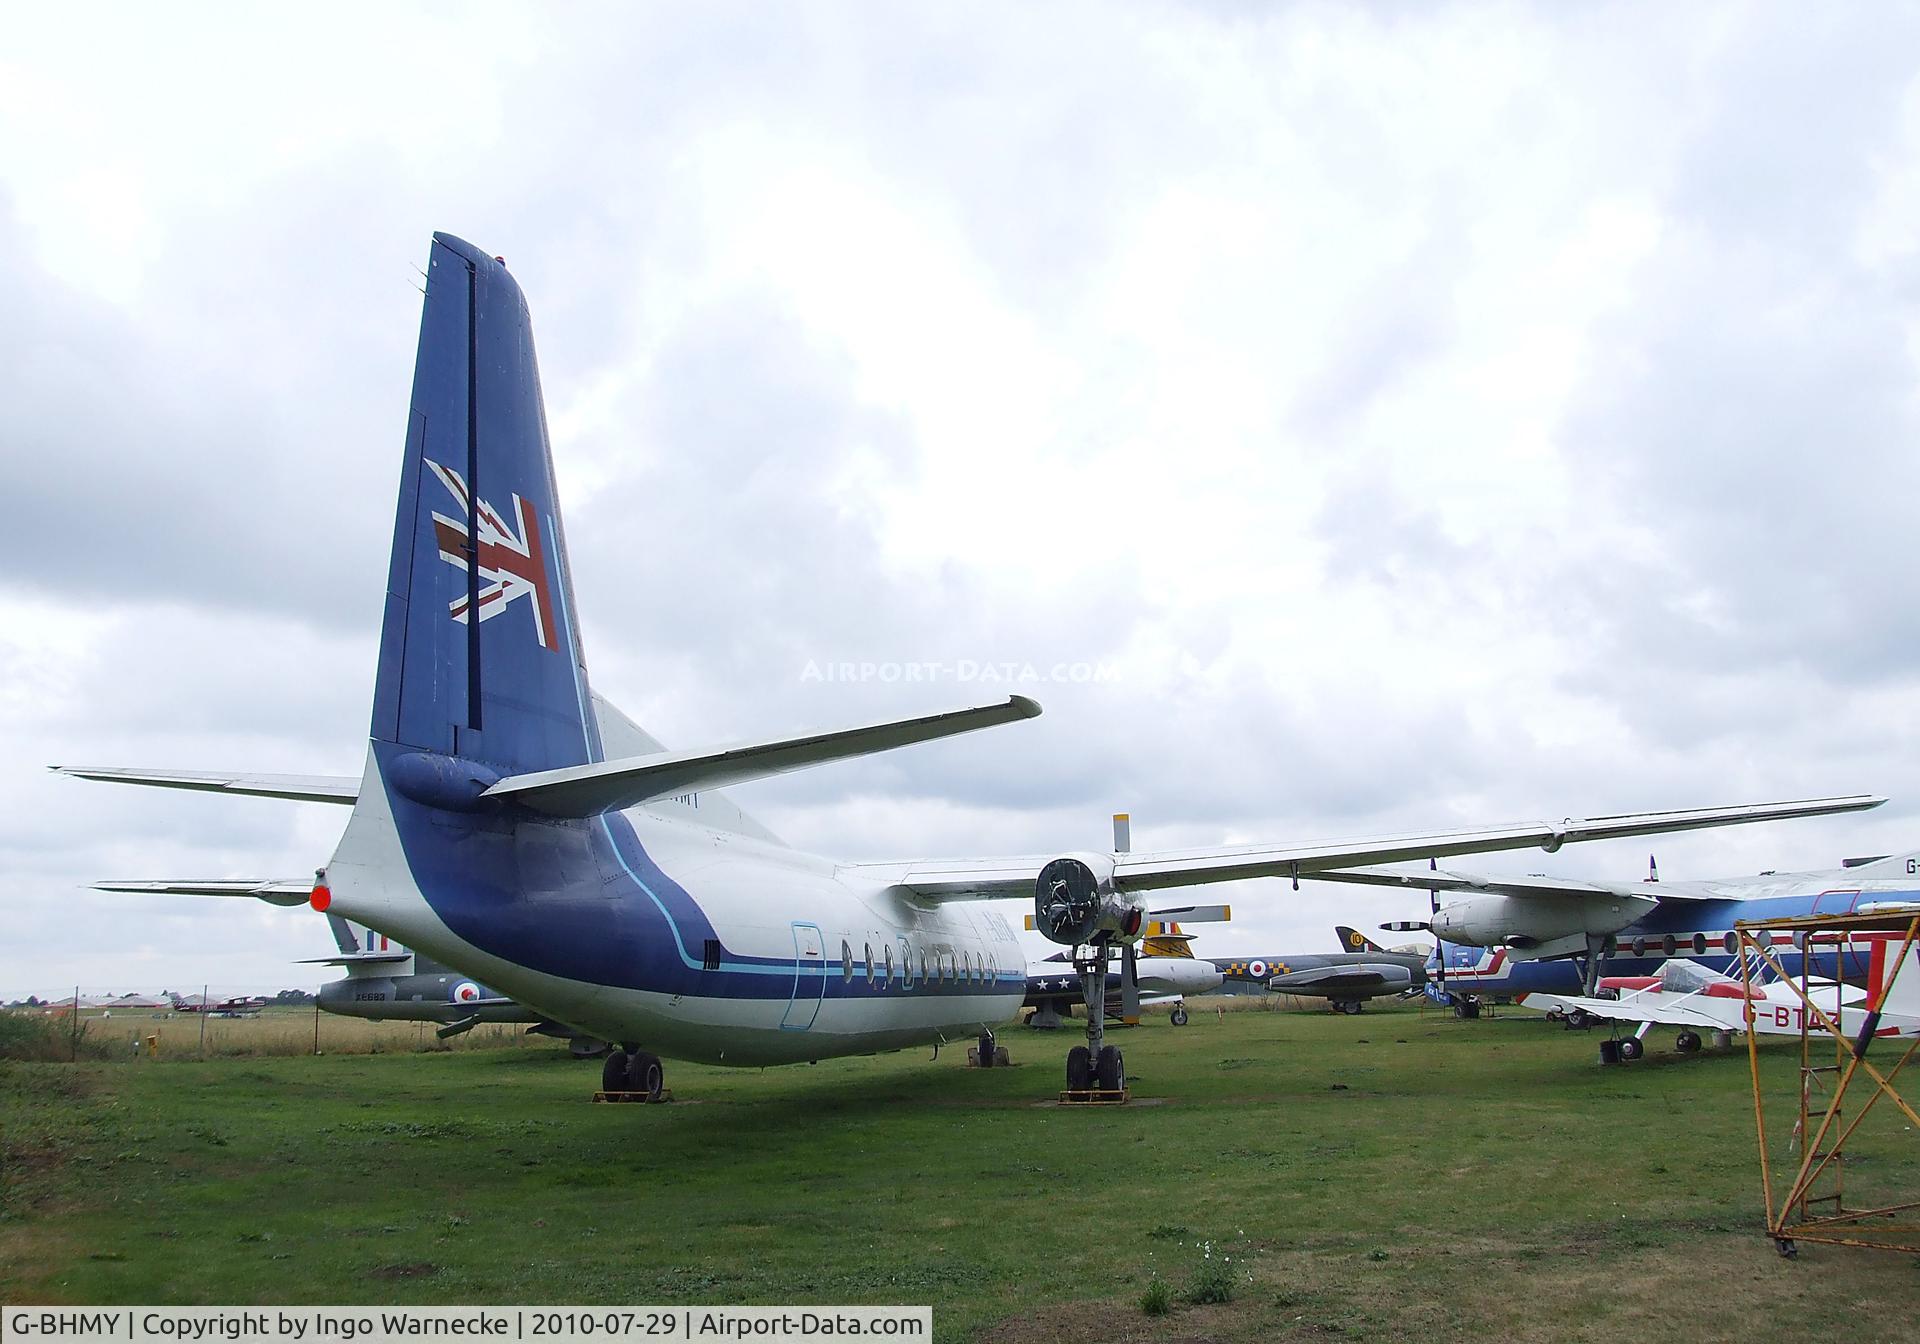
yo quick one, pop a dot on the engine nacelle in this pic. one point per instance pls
(1074, 902)
(1533, 921)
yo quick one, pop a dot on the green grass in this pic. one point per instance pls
(1389, 1175)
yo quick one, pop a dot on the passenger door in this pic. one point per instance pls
(809, 977)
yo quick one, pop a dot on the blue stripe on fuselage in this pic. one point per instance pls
(584, 901)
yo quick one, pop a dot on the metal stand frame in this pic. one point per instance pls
(1834, 1071)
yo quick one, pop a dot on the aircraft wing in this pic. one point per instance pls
(608, 786)
(293, 891)
(938, 880)
(1677, 1010)
(358, 959)
(1533, 887)
(304, 788)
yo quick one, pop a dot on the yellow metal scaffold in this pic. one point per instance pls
(1835, 1072)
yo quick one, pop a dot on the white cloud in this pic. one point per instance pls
(1434, 416)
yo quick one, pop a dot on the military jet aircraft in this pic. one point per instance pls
(1345, 979)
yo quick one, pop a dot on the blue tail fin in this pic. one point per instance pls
(479, 654)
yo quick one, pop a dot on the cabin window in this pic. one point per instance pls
(846, 962)
(1731, 942)
(923, 966)
(1699, 944)
(869, 948)
(1610, 946)
(1639, 947)
(1763, 938)
(889, 980)
(1668, 945)
(711, 961)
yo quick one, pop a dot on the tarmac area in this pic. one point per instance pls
(1286, 1175)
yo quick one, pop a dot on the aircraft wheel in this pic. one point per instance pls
(1631, 1048)
(986, 1055)
(613, 1073)
(1579, 1019)
(1079, 1069)
(645, 1075)
(1001, 1059)
(1179, 1015)
(1687, 1042)
(1111, 1071)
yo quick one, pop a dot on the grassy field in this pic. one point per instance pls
(1390, 1175)
(275, 1030)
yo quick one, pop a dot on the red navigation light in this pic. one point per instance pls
(322, 896)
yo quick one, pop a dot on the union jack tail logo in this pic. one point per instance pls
(512, 563)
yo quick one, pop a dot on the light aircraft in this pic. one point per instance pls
(1631, 927)
(1696, 998)
(507, 823)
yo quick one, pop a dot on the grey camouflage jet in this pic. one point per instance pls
(1345, 979)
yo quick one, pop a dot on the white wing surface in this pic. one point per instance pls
(607, 786)
(937, 880)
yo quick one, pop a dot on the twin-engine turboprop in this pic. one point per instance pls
(505, 825)
(1631, 927)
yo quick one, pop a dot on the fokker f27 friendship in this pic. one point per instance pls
(510, 824)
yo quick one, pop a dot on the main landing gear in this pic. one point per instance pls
(1096, 1071)
(632, 1074)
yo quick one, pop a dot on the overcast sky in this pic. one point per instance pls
(1420, 415)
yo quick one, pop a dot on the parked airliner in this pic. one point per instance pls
(1630, 927)
(510, 824)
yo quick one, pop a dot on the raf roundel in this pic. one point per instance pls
(466, 992)
(1257, 969)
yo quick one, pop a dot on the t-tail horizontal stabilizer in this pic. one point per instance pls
(289, 893)
(300, 788)
(609, 786)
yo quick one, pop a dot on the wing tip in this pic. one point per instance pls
(1025, 706)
